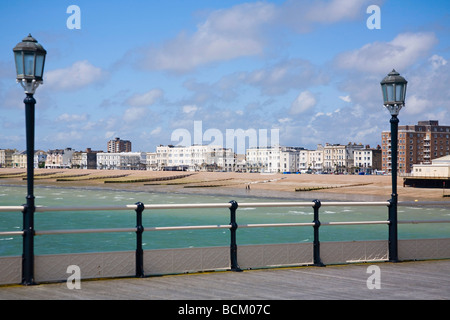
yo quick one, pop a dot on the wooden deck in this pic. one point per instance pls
(405, 280)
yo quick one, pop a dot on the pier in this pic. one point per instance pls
(306, 270)
(421, 280)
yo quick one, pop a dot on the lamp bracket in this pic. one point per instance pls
(394, 109)
(30, 87)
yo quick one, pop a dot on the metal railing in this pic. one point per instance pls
(232, 226)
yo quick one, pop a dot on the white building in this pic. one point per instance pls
(311, 160)
(439, 168)
(193, 158)
(367, 159)
(152, 161)
(39, 158)
(263, 159)
(284, 159)
(121, 161)
(289, 159)
(58, 158)
(339, 158)
(273, 159)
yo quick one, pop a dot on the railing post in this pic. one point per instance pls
(28, 243)
(393, 235)
(316, 249)
(233, 245)
(139, 251)
(29, 208)
(393, 230)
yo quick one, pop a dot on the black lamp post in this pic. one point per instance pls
(393, 87)
(29, 57)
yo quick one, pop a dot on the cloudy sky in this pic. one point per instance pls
(140, 70)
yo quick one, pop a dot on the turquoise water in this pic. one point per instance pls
(75, 243)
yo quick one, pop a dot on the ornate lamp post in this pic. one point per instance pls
(393, 88)
(29, 57)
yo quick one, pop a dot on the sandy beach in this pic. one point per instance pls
(303, 186)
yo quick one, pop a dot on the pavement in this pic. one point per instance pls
(415, 280)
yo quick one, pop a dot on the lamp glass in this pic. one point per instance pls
(28, 60)
(399, 92)
(390, 92)
(39, 70)
(19, 63)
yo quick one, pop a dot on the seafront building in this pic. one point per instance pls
(6, 157)
(284, 159)
(340, 158)
(59, 159)
(121, 160)
(16, 159)
(439, 168)
(417, 144)
(192, 158)
(311, 160)
(117, 145)
(367, 160)
(271, 159)
(434, 175)
(85, 159)
(19, 160)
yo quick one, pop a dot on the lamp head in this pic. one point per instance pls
(393, 87)
(29, 57)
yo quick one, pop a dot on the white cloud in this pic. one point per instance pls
(285, 75)
(72, 117)
(437, 61)
(400, 53)
(345, 98)
(335, 10)
(190, 108)
(134, 114)
(416, 105)
(109, 134)
(284, 120)
(302, 16)
(65, 136)
(78, 75)
(303, 102)
(145, 99)
(226, 34)
(156, 131)
(245, 30)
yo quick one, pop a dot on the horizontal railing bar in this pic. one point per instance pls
(209, 205)
(187, 205)
(424, 203)
(89, 208)
(310, 204)
(222, 205)
(224, 226)
(74, 231)
(11, 208)
(354, 204)
(11, 233)
(265, 225)
(352, 223)
(422, 221)
(274, 204)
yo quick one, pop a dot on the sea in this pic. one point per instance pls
(11, 195)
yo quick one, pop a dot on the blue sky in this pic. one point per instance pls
(139, 69)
